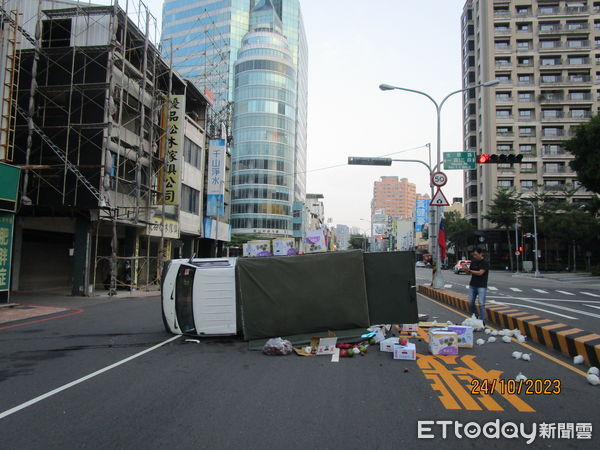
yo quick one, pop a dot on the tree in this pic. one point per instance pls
(458, 231)
(503, 213)
(585, 147)
(357, 242)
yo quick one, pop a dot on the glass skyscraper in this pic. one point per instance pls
(261, 45)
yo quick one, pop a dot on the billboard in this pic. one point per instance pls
(284, 246)
(215, 189)
(6, 236)
(422, 214)
(315, 242)
(172, 149)
(9, 188)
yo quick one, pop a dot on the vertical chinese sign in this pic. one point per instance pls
(215, 190)
(9, 188)
(172, 148)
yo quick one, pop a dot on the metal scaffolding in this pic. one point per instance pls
(88, 139)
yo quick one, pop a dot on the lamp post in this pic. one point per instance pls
(535, 237)
(438, 279)
(371, 233)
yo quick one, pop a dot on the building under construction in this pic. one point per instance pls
(112, 144)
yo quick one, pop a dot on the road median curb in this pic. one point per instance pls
(558, 336)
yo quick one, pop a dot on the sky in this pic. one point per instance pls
(354, 46)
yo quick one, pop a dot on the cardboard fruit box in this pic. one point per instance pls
(443, 342)
(406, 352)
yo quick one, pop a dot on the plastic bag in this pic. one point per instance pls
(277, 346)
(473, 322)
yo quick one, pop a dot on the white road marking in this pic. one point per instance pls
(564, 308)
(565, 292)
(592, 306)
(33, 401)
(516, 289)
(539, 309)
(589, 293)
(492, 288)
(560, 300)
(447, 286)
(541, 291)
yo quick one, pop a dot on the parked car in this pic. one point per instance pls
(461, 266)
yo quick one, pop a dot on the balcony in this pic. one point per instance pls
(580, 115)
(531, 170)
(502, 31)
(550, 48)
(550, 152)
(552, 133)
(549, 29)
(579, 79)
(528, 188)
(579, 28)
(578, 45)
(549, 11)
(505, 133)
(576, 9)
(548, 98)
(551, 80)
(579, 62)
(586, 97)
(554, 187)
(552, 116)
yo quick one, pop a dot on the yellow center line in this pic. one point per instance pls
(533, 349)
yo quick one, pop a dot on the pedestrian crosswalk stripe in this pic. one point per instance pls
(590, 294)
(591, 306)
(541, 291)
(565, 292)
(492, 288)
(516, 289)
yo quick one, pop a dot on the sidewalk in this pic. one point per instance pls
(39, 304)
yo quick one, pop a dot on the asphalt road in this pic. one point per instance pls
(568, 298)
(218, 395)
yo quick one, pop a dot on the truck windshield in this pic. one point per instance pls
(184, 290)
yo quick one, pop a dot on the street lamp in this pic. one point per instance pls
(535, 237)
(365, 234)
(438, 280)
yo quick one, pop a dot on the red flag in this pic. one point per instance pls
(442, 240)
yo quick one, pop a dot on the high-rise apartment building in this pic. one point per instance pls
(546, 55)
(395, 198)
(252, 56)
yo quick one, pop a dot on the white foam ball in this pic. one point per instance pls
(578, 359)
(593, 371)
(480, 342)
(356, 351)
(520, 377)
(593, 379)
(521, 338)
(517, 355)
(491, 339)
(487, 331)
(505, 339)
(494, 333)
(526, 357)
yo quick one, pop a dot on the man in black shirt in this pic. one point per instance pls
(479, 270)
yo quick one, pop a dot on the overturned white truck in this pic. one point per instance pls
(288, 296)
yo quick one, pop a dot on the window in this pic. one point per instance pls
(523, 10)
(580, 95)
(551, 113)
(505, 61)
(524, 27)
(504, 147)
(192, 153)
(189, 199)
(503, 113)
(573, 26)
(502, 45)
(548, 9)
(552, 149)
(526, 148)
(554, 167)
(577, 43)
(504, 131)
(550, 78)
(549, 26)
(526, 131)
(578, 60)
(525, 61)
(501, 28)
(527, 185)
(524, 45)
(525, 79)
(579, 77)
(553, 185)
(554, 43)
(552, 131)
(526, 96)
(503, 78)
(505, 183)
(526, 114)
(580, 113)
(550, 60)
(527, 167)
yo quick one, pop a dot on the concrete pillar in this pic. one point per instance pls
(81, 257)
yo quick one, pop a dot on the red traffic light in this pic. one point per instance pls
(483, 158)
(521, 248)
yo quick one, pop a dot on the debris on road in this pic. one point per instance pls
(277, 346)
(480, 341)
(506, 339)
(195, 341)
(578, 359)
(491, 339)
(526, 357)
(593, 379)
(593, 371)
(520, 377)
(474, 323)
(517, 355)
